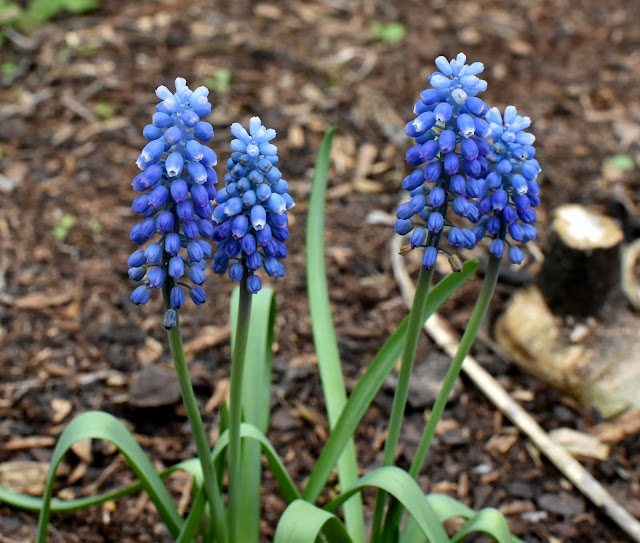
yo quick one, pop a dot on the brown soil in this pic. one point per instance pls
(71, 116)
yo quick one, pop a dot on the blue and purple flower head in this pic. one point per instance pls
(457, 142)
(251, 213)
(177, 183)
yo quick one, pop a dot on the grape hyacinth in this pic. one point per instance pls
(177, 183)
(450, 141)
(251, 213)
(513, 189)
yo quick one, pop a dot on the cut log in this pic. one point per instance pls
(582, 265)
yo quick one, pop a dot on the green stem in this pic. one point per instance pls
(469, 336)
(235, 411)
(199, 433)
(402, 390)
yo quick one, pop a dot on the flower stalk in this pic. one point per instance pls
(235, 411)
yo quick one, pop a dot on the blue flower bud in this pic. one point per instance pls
(418, 237)
(443, 112)
(499, 199)
(172, 243)
(436, 197)
(170, 319)
(516, 231)
(195, 252)
(432, 172)
(190, 229)
(137, 273)
(153, 253)
(253, 284)
(466, 125)
(413, 180)
(151, 132)
(174, 164)
(196, 275)
(156, 277)
(403, 226)
(435, 222)
(236, 271)
(455, 237)
(497, 248)
(140, 204)
(429, 258)
(447, 141)
(417, 203)
(273, 267)
(141, 295)
(176, 267)
(184, 211)
(426, 152)
(173, 135)
(258, 217)
(198, 295)
(203, 131)
(254, 261)
(177, 297)
(451, 163)
(197, 172)
(469, 149)
(414, 155)
(158, 197)
(516, 255)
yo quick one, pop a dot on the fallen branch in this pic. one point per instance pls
(446, 338)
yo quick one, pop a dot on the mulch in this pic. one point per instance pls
(71, 114)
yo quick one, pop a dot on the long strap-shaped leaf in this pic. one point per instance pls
(405, 489)
(303, 522)
(324, 337)
(489, 521)
(256, 402)
(99, 425)
(371, 381)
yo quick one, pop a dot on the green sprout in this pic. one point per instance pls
(94, 225)
(220, 81)
(104, 110)
(392, 32)
(62, 226)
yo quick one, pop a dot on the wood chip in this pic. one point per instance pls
(61, 408)
(48, 298)
(31, 442)
(209, 337)
(82, 449)
(580, 444)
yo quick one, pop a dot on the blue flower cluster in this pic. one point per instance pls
(177, 183)
(459, 143)
(251, 214)
(513, 189)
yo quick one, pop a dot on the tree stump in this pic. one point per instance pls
(582, 265)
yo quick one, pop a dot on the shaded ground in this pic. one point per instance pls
(71, 115)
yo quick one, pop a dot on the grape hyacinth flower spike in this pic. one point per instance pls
(177, 183)
(450, 155)
(513, 190)
(252, 224)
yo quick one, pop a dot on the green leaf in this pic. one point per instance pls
(256, 400)
(405, 489)
(99, 425)
(371, 381)
(42, 10)
(490, 522)
(303, 522)
(324, 337)
(280, 473)
(391, 32)
(623, 163)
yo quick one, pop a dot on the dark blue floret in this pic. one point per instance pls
(177, 184)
